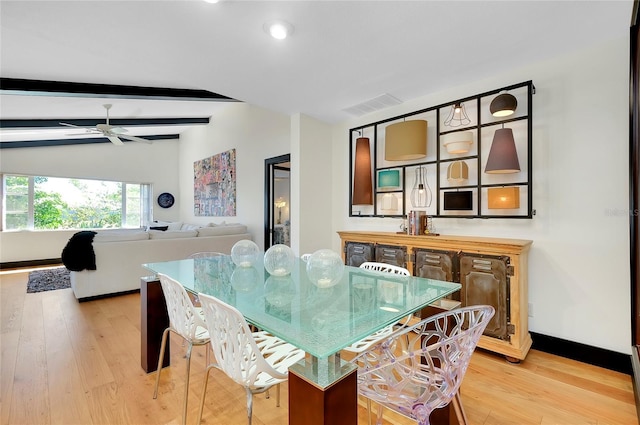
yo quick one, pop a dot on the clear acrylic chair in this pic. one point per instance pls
(186, 321)
(255, 360)
(421, 368)
(365, 343)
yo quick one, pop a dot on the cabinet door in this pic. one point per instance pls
(357, 253)
(435, 264)
(485, 280)
(391, 254)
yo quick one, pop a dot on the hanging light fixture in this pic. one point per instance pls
(406, 140)
(388, 179)
(421, 193)
(504, 197)
(362, 185)
(457, 116)
(458, 142)
(503, 105)
(389, 203)
(503, 156)
(457, 172)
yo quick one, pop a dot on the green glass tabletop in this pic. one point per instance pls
(320, 321)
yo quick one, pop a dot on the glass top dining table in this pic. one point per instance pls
(320, 321)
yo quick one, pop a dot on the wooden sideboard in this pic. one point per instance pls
(463, 254)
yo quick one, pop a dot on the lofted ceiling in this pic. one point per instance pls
(341, 54)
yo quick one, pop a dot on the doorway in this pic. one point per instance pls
(277, 201)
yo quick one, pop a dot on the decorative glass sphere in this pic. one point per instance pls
(325, 268)
(244, 279)
(279, 260)
(245, 253)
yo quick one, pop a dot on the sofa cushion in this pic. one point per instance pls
(120, 235)
(172, 234)
(187, 226)
(222, 230)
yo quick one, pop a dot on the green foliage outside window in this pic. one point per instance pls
(70, 204)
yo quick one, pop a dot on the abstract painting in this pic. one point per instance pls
(214, 185)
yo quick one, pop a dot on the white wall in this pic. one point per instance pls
(311, 184)
(579, 279)
(155, 163)
(256, 134)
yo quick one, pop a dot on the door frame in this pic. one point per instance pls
(270, 165)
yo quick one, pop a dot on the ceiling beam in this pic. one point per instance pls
(78, 141)
(20, 86)
(92, 122)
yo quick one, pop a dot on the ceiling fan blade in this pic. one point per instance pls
(115, 140)
(135, 139)
(69, 125)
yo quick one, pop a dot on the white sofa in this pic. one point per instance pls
(120, 255)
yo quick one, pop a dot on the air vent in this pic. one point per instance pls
(381, 102)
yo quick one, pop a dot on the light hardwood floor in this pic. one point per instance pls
(65, 362)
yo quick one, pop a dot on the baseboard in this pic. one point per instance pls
(30, 263)
(583, 353)
(114, 294)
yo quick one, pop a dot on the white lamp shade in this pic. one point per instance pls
(389, 203)
(459, 142)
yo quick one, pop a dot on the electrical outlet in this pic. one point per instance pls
(530, 307)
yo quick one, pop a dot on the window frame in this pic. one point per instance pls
(146, 208)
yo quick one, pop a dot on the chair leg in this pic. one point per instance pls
(459, 408)
(204, 392)
(186, 385)
(379, 418)
(165, 334)
(249, 405)
(369, 410)
(278, 396)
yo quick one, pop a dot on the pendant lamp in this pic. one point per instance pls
(503, 156)
(457, 172)
(421, 192)
(362, 185)
(504, 197)
(503, 105)
(406, 140)
(457, 116)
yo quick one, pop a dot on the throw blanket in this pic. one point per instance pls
(78, 254)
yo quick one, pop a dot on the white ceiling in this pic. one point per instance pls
(341, 53)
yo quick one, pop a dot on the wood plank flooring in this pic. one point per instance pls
(65, 362)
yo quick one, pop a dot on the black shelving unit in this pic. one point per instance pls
(482, 126)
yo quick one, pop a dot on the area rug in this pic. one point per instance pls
(48, 280)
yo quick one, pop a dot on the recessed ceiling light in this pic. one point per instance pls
(212, 1)
(278, 29)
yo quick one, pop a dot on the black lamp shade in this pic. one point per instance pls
(503, 105)
(461, 200)
(503, 156)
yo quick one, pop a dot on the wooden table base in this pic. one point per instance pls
(153, 321)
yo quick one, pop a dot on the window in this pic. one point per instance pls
(49, 203)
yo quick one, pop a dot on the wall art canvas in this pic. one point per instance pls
(214, 185)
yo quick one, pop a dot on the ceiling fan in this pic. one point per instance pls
(113, 133)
